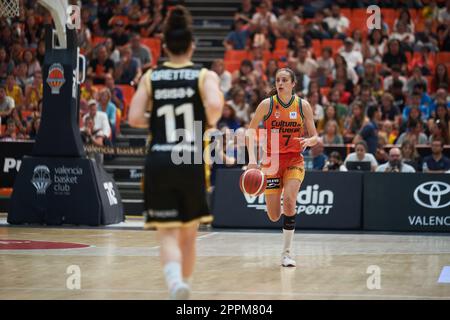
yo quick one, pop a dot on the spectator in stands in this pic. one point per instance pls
(390, 111)
(127, 71)
(305, 64)
(140, 52)
(34, 92)
(371, 78)
(101, 122)
(444, 14)
(335, 99)
(339, 61)
(245, 11)
(415, 79)
(361, 154)
(415, 103)
(88, 91)
(89, 135)
(119, 34)
(394, 56)
(287, 22)
(354, 122)
(424, 61)
(330, 114)
(395, 163)
(6, 105)
(245, 74)
(32, 64)
(111, 51)
(366, 98)
(410, 155)
(14, 91)
(353, 57)
(318, 156)
(331, 133)
(116, 93)
(396, 75)
(239, 105)
(300, 38)
(334, 163)
(398, 93)
(229, 119)
(337, 24)
(443, 38)
(369, 133)
(100, 66)
(238, 38)
(413, 133)
(264, 17)
(404, 18)
(11, 133)
(225, 76)
(439, 131)
(374, 48)
(325, 65)
(34, 127)
(105, 105)
(426, 38)
(440, 78)
(19, 121)
(21, 76)
(271, 70)
(317, 109)
(387, 134)
(441, 113)
(436, 162)
(318, 28)
(6, 64)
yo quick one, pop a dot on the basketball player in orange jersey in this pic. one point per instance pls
(177, 95)
(289, 117)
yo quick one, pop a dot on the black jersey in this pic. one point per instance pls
(176, 178)
(178, 118)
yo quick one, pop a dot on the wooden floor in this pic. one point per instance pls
(124, 264)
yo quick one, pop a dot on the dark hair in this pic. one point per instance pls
(371, 111)
(273, 91)
(362, 143)
(178, 30)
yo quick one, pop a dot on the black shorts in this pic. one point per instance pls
(174, 195)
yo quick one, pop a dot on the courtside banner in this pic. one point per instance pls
(407, 202)
(327, 200)
(11, 154)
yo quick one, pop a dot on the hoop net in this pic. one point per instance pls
(9, 8)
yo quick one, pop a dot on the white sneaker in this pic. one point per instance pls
(180, 292)
(287, 261)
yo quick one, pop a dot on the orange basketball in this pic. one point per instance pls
(253, 182)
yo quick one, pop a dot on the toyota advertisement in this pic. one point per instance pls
(409, 202)
(325, 201)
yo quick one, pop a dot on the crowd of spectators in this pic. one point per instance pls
(382, 87)
(377, 87)
(110, 38)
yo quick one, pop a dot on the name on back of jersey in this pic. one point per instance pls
(175, 74)
(173, 93)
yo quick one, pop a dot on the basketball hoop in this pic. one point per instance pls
(9, 8)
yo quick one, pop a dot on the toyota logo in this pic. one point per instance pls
(432, 194)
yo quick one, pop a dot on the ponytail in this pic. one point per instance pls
(178, 35)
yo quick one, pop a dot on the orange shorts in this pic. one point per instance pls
(288, 166)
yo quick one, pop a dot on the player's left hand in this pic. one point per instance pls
(304, 143)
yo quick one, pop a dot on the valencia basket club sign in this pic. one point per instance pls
(57, 183)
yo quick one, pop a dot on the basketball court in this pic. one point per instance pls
(122, 262)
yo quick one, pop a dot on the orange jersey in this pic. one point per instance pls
(286, 121)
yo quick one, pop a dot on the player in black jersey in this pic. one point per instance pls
(183, 101)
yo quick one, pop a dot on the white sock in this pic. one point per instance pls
(188, 281)
(172, 271)
(288, 235)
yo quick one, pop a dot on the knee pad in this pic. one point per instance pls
(289, 222)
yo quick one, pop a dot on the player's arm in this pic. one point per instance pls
(252, 132)
(310, 126)
(212, 97)
(140, 103)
